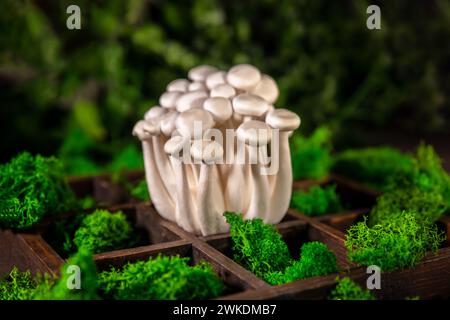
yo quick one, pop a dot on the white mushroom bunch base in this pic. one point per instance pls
(216, 143)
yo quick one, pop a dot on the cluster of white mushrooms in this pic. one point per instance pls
(196, 193)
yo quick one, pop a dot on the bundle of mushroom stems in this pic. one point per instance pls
(216, 143)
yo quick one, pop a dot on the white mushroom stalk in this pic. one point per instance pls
(206, 149)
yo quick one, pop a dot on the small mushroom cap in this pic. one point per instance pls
(189, 100)
(138, 131)
(188, 122)
(154, 112)
(200, 73)
(266, 89)
(254, 133)
(223, 90)
(175, 145)
(178, 85)
(283, 119)
(220, 108)
(243, 76)
(207, 151)
(169, 99)
(216, 78)
(250, 105)
(196, 86)
(167, 123)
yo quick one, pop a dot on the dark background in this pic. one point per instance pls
(77, 93)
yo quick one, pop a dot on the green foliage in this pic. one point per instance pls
(30, 187)
(397, 243)
(316, 201)
(311, 158)
(61, 232)
(129, 158)
(88, 280)
(425, 206)
(347, 289)
(427, 175)
(373, 166)
(140, 191)
(17, 286)
(257, 246)
(161, 278)
(103, 231)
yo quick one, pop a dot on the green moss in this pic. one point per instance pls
(103, 231)
(31, 187)
(161, 278)
(257, 246)
(397, 243)
(316, 201)
(140, 191)
(60, 290)
(17, 286)
(129, 158)
(311, 156)
(347, 289)
(426, 206)
(373, 166)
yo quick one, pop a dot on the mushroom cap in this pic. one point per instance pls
(207, 151)
(188, 120)
(178, 85)
(243, 76)
(283, 119)
(191, 100)
(175, 145)
(219, 107)
(169, 99)
(138, 131)
(223, 90)
(250, 105)
(196, 86)
(167, 123)
(200, 73)
(266, 89)
(154, 112)
(151, 127)
(215, 78)
(254, 133)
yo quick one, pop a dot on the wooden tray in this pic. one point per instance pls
(431, 279)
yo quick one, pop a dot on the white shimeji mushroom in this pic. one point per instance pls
(154, 112)
(200, 73)
(194, 119)
(191, 100)
(196, 86)
(243, 76)
(184, 211)
(250, 106)
(286, 121)
(160, 196)
(178, 85)
(169, 99)
(215, 78)
(167, 123)
(223, 90)
(256, 134)
(210, 201)
(266, 89)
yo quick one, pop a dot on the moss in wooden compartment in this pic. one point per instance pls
(346, 289)
(17, 286)
(161, 278)
(259, 248)
(30, 188)
(317, 200)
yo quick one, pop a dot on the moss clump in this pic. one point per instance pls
(316, 201)
(426, 206)
(311, 156)
(17, 286)
(59, 290)
(397, 243)
(161, 278)
(257, 246)
(103, 231)
(373, 166)
(30, 187)
(315, 260)
(347, 289)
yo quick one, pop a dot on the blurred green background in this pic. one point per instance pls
(78, 93)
